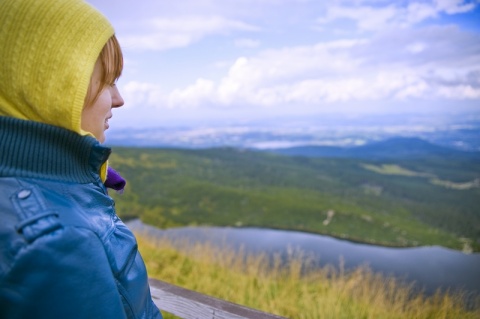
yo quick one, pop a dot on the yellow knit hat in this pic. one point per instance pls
(48, 50)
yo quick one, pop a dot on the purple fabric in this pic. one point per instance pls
(114, 180)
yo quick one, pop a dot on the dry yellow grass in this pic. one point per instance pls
(285, 291)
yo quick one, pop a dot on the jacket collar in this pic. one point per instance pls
(36, 150)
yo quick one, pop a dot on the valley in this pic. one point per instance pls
(400, 202)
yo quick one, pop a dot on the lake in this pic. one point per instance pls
(429, 267)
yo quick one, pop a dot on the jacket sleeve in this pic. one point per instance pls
(62, 274)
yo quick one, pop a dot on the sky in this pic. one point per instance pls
(201, 61)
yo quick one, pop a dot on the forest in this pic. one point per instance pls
(395, 201)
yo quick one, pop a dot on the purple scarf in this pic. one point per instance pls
(115, 181)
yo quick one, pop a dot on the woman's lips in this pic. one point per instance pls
(106, 123)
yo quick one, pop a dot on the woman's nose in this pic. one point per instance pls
(117, 100)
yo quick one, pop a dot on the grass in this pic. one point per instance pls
(391, 169)
(294, 291)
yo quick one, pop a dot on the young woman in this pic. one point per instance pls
(63, 251)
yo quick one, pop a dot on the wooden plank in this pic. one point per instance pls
(189, 304)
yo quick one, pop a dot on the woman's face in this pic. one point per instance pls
(95, 115)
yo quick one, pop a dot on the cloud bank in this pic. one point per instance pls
(303, 54)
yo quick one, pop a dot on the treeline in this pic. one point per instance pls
(232, 187)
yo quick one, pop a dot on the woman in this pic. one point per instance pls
(63, 251)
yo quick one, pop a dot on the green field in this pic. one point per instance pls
(394, 203)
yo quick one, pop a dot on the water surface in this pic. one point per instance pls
(430, 267)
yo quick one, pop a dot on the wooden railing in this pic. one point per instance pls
(189, 304)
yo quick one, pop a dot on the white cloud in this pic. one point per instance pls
(416, 47)
(466, 91)
(401, 61)
(140, 94)
(367, 18)
(454, 6)
(378, 16)
(166, 33)
(247, 43)
(191, 96)
(348, 70)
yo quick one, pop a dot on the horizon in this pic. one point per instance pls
(210, 61)
(459, 131)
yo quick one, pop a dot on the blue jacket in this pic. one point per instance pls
(64, 253)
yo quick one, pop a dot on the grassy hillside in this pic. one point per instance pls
(389, 202)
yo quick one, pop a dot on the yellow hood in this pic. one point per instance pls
(48, 50)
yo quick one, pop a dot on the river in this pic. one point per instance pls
(430, 267)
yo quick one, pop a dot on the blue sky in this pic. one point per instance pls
(227, 60)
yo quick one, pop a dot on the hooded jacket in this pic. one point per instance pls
(64, 253)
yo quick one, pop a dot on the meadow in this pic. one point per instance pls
(293, 290)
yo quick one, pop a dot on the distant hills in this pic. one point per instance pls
(457, 131)
(394, 148)
(418, 194)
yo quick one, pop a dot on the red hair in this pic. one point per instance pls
(111, 58)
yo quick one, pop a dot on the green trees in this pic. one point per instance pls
(230, 187)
